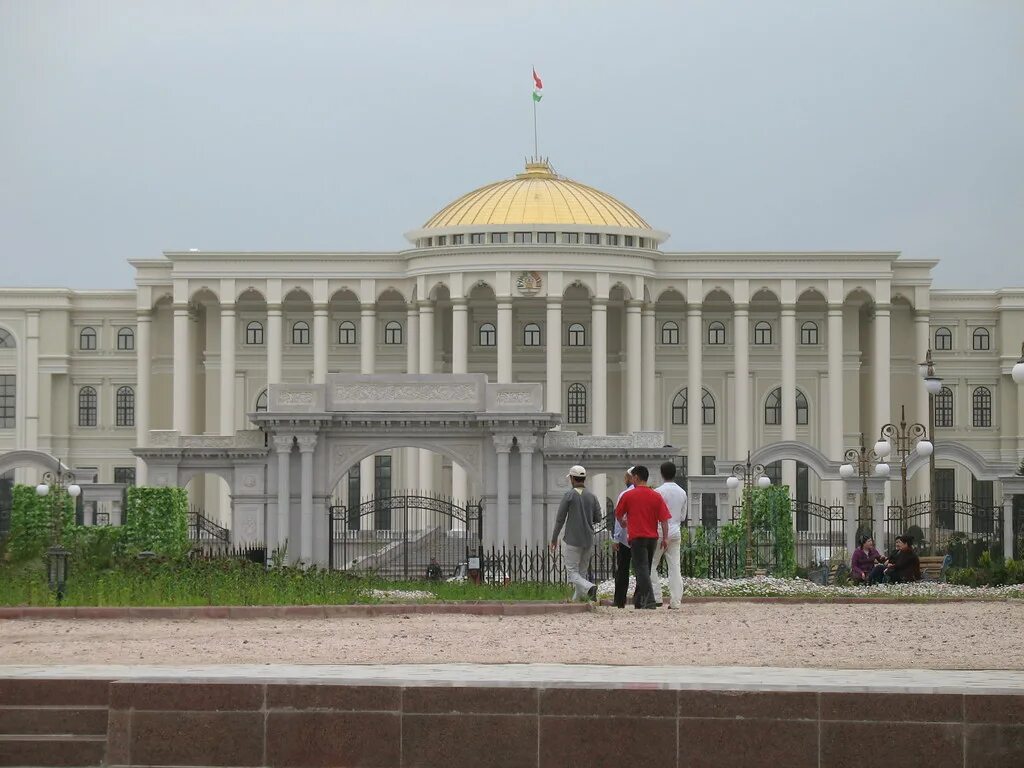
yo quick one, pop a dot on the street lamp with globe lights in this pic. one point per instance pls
(906, 439)
(933, 385)
(54, 485)
(747, 475)
(863, 462)
(1018, 370)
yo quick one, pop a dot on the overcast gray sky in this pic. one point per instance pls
(130, 128)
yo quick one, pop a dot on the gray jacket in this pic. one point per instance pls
(578, 512)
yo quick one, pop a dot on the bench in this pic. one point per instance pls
(931, 567)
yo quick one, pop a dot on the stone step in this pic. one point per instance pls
(67, 692)
(42, 751)
(53, 720)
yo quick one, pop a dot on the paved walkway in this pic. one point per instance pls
(557, 675)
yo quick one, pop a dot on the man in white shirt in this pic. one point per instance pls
(675, 500)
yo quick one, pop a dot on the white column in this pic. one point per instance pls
(143, 366)
(788, 331)
(553, 332)
(426, 333)
(599, 366)
(634, 353)
(504, 341)
(503, 445)
(411, 456)
(227, 369)
(367, 365)
(741, 363)
(321, 339)
(307, 444)
(460, 364)
(881, 365)
(694, 391)
(275, 342)
(922, 333)
(526, 447)
(836, 404)
(182, 368)
(278, 531)
(31, 440)
(650, 407)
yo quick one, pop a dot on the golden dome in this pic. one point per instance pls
(537, 196)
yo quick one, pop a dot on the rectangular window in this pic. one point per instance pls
(442, 239)
(458, 239)
(592, 238)
(7, 401)
(477, 238)
(124, 475)
(382, 492)
(499, 237)
(629, 241)
(644, 242)
(524, 237)
(545, 237)
(611, 239)
(571, 238)
(427, 242)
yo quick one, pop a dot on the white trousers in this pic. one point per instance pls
(675, 576)
(577, 563)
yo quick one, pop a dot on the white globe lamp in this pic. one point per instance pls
(74, 490)
(933, 384)
(882, 448)
(42, 489)
(732, 483)
(882, 469)
(764, 481)
(846, 470)
(1018, 370)
(925, 448)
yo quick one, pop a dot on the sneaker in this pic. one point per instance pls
(592, 593)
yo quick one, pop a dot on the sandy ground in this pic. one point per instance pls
(945, 636)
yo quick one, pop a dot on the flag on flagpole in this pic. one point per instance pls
(538, 86)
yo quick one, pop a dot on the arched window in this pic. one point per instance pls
(577, 335)
(531, 335)
(488, 335)
(393, 332)
(6, 339)
(254, 332)
(347, 332)
(773, 408)
(87, 407)
(707, 408)
(670, 333)
(87, 339)
(577, 402)
(300, 332)
(763, 332)
(716, 333)
(124, 412)
(981, 402)
(943, 339)
(944, 408)
(261, 402)
(126, 339)
(809, 333)
(982, 340)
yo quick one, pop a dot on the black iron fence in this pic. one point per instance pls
(253, 552)
(408, 536)
(820, 532)
(957, 527)
(203, 530)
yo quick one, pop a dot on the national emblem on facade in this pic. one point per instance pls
(529, 283)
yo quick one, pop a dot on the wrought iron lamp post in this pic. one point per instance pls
(54, 485)
(907, 439)
(933, 384)
(863, 461)
(746, 475)
(1018, 370)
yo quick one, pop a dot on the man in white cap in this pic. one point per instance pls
(579, 511)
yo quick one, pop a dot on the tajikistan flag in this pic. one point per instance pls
(538, 87)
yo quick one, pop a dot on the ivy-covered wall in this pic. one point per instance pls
(772, 526)
(32, 522)
(156, 520)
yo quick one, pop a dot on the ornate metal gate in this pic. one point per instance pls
(820, 532)
(405, 537)
(961, 528)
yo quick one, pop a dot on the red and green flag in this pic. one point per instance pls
(538, 86)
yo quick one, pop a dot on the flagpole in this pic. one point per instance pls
(536, 152)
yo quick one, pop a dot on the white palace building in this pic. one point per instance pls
(570, 305)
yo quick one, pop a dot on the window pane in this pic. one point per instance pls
(7, 401)
(577, 402)
(477, 238)
(87, 339)
(458, 239)
(572, 238)
(612, 239)
(499, 237)
(125, 407)
(592, 238)
(524, 237)
(87, 407)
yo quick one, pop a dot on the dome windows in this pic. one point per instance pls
(524, 237)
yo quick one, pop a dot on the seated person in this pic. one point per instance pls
(901, 566)
(865, 557)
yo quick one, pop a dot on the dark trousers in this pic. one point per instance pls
(643, 556)
(622, 560)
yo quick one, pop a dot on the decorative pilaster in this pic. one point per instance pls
(634, 349)
(599, 365)
(527, 445)
(181, 408)
(836, 403)
(227, 368)
(307, 444)
(502, 446)
(504, 340)
(143, 368)
(278, 531)
(275, 343)
(788, 333)
(741, 363)
(367, 337)
(695, 391)
(320, 343)
(649, 409)
(553, 383)
(881, 363)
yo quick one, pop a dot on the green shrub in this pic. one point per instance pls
(1015, 571)
(964, 577)
(157, 521)
(772, 523)
(31, 522)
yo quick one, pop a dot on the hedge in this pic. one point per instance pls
(31, 523)
(157, 521)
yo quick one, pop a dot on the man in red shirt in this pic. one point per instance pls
(642, 511)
